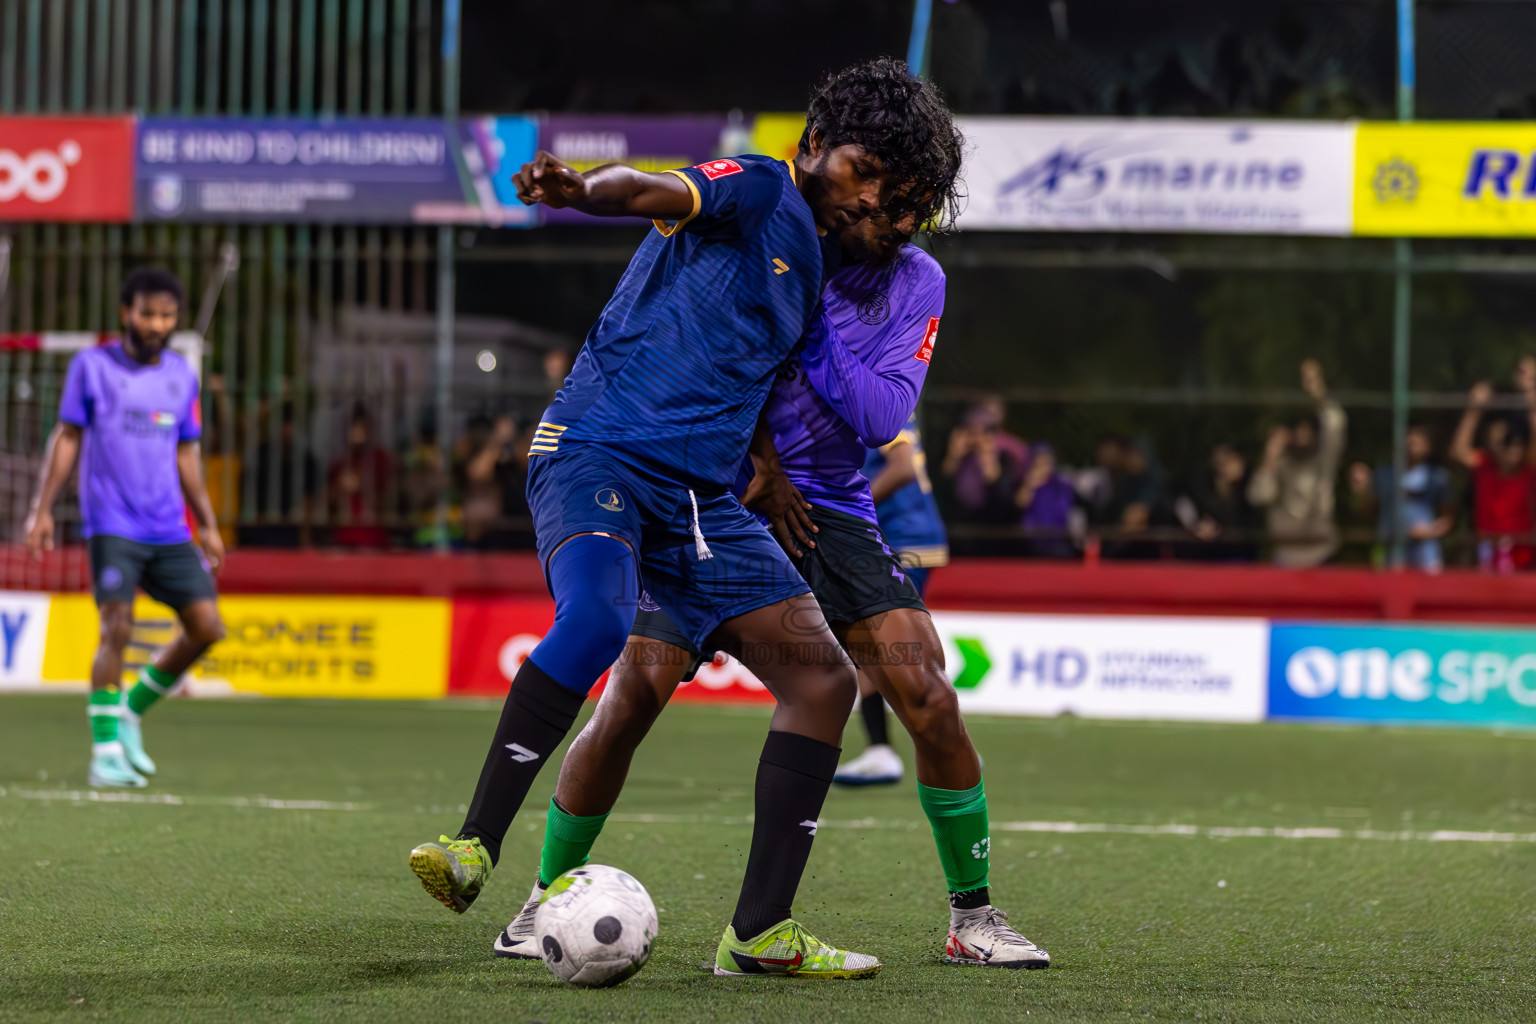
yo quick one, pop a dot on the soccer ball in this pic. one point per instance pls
(595, 925)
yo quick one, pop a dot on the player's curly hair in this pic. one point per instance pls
(900, 119)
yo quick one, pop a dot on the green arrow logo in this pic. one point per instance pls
(975, 663)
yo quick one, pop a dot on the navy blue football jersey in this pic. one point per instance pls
(675, 371)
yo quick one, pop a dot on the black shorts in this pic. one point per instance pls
(851, 571)
(173, 574)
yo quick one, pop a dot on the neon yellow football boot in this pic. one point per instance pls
(788, 950)
(452, 870)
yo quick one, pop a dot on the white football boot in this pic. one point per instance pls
(982, 938)
(517, 940)
(879, 765)
(110, 768)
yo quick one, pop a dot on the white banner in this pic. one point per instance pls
(23, 634)
(1268, 177)
(1108, 666)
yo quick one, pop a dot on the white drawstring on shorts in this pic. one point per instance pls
(700, 548)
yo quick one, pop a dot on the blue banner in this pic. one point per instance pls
(299, 170)
(1448, 675)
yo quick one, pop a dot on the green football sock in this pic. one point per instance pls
(151, 685)
(104, 707)
(567, 841)
(959, 820)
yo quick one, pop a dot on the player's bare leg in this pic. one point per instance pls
(201, 628)
(109, 762)
(593, 772)
(878, 764)
(597, 763)
(900, 652)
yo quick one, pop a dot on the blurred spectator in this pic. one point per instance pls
(486, 468)
(1047, 500)
(1503, 481)
(1427, 513)
(1524, 376)
(358, 483)
(283, 514)
(557, 366)
(1217, 509)
(985, 464)
(1096, 485)
(1295, 482)
(1138, 502)
(423, 481)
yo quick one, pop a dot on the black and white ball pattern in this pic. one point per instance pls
(595, 926)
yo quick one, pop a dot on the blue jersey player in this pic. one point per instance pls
(909, 519)
(852, 387)
(631, 466)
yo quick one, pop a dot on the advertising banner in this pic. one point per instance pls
(495, 148)
(352, 170)
(492, 636)
(777, 135)
(1183, 669)
(23, 633)
(1064, 174)
(649, 143)
(1451, 675)
(66, 169)
(1445, 179)
(279, 646)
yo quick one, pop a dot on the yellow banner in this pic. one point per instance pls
(778, 135)
(280, 646)
(1445, 179)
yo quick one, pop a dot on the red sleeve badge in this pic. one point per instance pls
(719, 168)
(931, 335)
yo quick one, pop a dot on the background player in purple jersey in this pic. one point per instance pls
(853, 387)
(129, 412)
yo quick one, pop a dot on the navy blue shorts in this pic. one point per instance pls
(584, 488)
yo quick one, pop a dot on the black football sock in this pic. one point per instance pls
(872, 708)
(793, 776)
(537, 715)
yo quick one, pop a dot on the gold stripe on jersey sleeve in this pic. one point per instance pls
(698, 203)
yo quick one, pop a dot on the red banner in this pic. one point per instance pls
(492, 636)
(66, 169)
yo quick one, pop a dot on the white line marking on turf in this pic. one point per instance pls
(99, 796)
(93, 796)
(1103, 828)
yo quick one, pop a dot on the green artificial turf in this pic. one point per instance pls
(225, 907)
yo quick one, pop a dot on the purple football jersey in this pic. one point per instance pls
(133, 417)
(856, 381)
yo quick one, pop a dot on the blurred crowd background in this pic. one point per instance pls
(1093, 395)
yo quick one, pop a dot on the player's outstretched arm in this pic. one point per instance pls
(613, 190)
(189, 466)
(58, 462)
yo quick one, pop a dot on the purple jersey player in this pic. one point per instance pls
(129, 412)
(852, 387)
